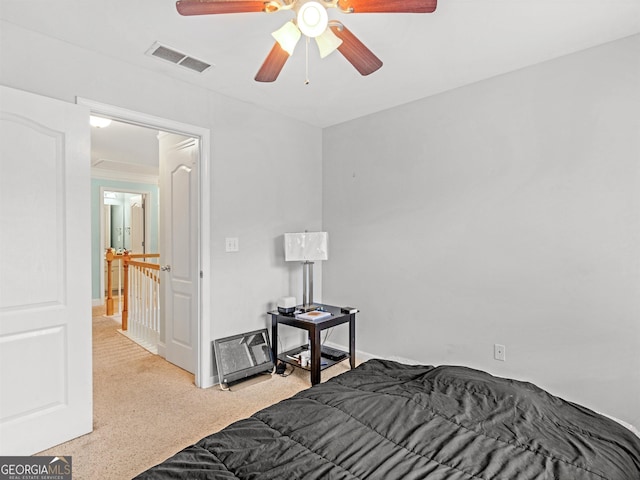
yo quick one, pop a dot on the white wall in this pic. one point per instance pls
(504, 212)
(255, 155)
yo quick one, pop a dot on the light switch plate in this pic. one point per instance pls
(231, 244)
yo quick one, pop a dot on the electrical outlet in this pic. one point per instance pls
(500, 352)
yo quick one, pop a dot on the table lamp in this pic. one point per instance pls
(307, 247)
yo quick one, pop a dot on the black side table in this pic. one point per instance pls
(314, 327)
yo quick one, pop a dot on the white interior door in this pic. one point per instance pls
(179, 247)
(45, 273)
(137, 224)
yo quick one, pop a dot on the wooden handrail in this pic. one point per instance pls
(152, 266)
(125, 257)
(109, 305)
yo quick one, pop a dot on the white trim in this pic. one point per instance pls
(142, 119)
(106, 174)
(162, 349)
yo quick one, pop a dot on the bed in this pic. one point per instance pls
(385, 420)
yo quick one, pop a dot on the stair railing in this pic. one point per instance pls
(141, 306)
(139, 302)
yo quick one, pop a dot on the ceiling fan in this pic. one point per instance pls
(311, 19)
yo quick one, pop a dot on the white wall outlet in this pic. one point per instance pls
(500, 352)
(231, 244)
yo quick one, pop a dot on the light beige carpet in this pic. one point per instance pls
(146, 409)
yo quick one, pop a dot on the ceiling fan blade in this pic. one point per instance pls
(388, 6)
(273, 64)
(208, 7)
(355, 51)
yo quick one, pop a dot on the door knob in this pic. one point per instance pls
(165, 268)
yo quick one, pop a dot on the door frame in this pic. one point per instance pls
(146, 195)
(203, 360)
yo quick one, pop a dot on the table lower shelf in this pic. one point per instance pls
(324, 361)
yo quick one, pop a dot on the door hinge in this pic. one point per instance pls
(201, 274)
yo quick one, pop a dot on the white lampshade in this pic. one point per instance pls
(287, 36)
(327, 42)
(307, 246)
(312, 18)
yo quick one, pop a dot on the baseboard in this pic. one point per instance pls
(362, 356)
(406, 361)
(162, 349)
(209, 382)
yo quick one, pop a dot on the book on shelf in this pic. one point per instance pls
(314, 315)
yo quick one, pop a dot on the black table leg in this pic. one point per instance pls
(274, 339)
(315, 356)
(352, 340)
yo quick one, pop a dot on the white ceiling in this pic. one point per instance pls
(125, 148)
(464, 41)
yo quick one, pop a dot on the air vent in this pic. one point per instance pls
(171, 55)
(194, 64)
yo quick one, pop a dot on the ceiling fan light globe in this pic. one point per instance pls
(312, 19)
(327, 42)
(287, 36)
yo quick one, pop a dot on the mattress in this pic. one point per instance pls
(385, 420)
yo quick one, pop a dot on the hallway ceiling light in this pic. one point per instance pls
(99, 122)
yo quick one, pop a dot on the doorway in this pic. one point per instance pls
(124, 224)
(201, 276)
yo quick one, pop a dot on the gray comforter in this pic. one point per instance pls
(385, 420)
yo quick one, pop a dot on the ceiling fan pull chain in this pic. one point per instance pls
(306, 62)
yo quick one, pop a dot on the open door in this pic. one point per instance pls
(179, 248)
(137, 224)
(45, 279)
